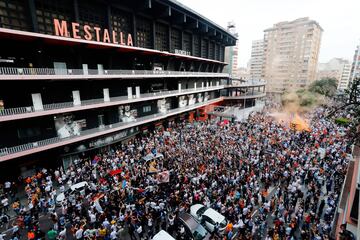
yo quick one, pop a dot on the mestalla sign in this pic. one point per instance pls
(61, 28)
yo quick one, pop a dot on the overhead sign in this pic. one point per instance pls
(182, 52)
(101, 35)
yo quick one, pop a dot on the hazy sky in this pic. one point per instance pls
(340, 20)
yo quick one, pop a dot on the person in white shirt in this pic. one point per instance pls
(79, 233)
(113, 234)
(92, 218)
(62, 234)
(5, 204)
(7, 186)
(2, 236)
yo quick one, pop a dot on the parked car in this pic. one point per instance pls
(193, 229)
(76, 188)
(209, 218)
(163, 235)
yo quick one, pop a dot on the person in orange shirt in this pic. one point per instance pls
(30, 235)
(229, 227)
(28, 180)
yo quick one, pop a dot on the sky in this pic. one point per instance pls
(340, 20)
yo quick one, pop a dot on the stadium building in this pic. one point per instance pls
(78, 76)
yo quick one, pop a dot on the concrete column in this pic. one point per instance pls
(202, 84)
(211, 84)
(32, 11)
(217, 83)
(129, 90)
(76, 97)
(137, 90)
(106, 95)
(195, 85)
(37, 101)
(179, 86)
(207, 83)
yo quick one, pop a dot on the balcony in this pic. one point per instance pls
(246, 96)
(34, 147)
(253, 83)
(10, 73)
(9, 114)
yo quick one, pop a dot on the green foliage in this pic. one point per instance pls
(342, 121)
(301, 100)
(307, 99)
(325, 86)
(350, 104)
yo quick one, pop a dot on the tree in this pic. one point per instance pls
(325, 86)
(351, 104)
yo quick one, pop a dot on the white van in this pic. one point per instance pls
(163, 235)
(78, 187)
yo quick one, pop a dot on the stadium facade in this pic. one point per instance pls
(80, 75)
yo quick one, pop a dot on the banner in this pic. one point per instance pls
(115, 172)
(67, 126)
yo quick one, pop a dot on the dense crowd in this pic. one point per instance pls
(267, 180)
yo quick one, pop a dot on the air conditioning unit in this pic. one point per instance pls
(20, 71)
(70, 71)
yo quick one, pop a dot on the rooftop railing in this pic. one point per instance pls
(114, 126)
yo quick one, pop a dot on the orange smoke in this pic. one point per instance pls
(299, 124)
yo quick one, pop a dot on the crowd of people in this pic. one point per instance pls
(269, 181)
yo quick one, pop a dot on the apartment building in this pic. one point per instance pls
(337, 68)
(355, 67)
(232, 53)
(257, 59)
(291, 52)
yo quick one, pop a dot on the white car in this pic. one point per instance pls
(163, 235)
(209, 217)
(78, 187)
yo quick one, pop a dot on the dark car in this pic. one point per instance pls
(194, 230)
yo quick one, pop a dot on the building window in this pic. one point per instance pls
(13, 14)
(161, 37)
(92, 14)
(143, 32)
(46, 11)
(187, 42)
(222, 53)
(204, 48)
(217, 52)
(175, 40)
(121, 21)
(197, 44)
(211, 50)
(146, 109)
